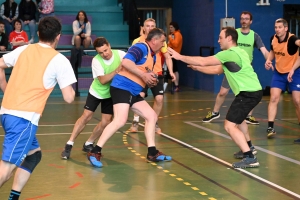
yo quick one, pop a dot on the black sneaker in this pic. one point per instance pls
(158, 157)
(240, 155)
(67, 152)
(211, 116)
(87, 148)
(251, 120)
(270, 132)
(247, 162)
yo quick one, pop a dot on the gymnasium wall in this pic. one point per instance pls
(199, 22)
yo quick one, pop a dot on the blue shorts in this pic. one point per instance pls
(19, 139)
(280, 81)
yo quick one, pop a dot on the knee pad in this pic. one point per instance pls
(31, 161)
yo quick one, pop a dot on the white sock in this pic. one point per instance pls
(136, 118)
(88, 143)
(165, 86)
(70, 143)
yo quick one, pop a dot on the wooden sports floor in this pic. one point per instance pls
(202, 156)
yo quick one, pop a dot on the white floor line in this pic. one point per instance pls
(257, 147)
(226, 163)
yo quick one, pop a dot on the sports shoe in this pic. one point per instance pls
(240, 155)
(247, 162)
(134, 127)
(211, 116)
(176, 89)
(87, 148)
(94, 159)
(67, 152)
(297, 141)
(157, 129)
(251, 120)
(270, 132)
(159, 157)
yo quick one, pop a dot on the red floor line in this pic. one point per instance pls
(79, 174)
(75, 185)
(39, 197)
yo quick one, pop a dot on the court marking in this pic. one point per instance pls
(257, 147)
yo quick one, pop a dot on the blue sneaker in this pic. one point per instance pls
(159, 157)
(94, 159)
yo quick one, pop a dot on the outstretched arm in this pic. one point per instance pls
(264, 52)
(216, 69)
(194, 60)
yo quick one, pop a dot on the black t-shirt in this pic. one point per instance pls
(292, 47)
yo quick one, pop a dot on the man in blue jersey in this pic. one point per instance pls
(136, 73)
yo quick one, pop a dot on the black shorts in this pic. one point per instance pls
(92, 103)
(243, 103)
(175, 67)
(123, 96)
(156, 90)
(225, 83)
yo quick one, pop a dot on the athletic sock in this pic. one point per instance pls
(249, 154)
(215, 113)
(88, 143)
(14, 195)
(152, 151)
(96, 149)
(70, 143)
(249, 143)
(136, 118)
(271, 124)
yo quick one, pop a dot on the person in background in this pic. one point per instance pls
(46, 8)
(18, 37)
(285, 50)
(175, 42)
(9, 12)
(27, 10)
(82, 31)
(3, 38)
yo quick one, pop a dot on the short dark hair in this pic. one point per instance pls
(19, 21)
(247, 13)
(230, 31)
(283, 21)
(2, 22)
(49, 28)
(100, 41)
(154, 33)
(175, 25)
(85, 16)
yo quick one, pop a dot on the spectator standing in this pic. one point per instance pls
(18, 37)
(175, 42)
(9, 12)
(27, 10)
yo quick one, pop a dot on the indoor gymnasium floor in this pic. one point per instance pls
(202, 156)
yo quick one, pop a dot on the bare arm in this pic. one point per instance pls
(68, 94)
(216, 69)
(295, 66)
(108, 77)
(170, 65)
(3, 81)
(194, 60)
(264, 52)
(268, 64)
